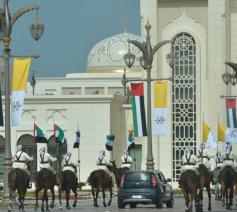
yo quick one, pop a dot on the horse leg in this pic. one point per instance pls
(10, 200)
(103, 193)
(46, 199)
(209, 196)
(186, 199)
(20, 198)
(67, 198)
(223, 192)
(53, 197)
(110, 195)
(75, 200)
(231, 195)
(96, 197)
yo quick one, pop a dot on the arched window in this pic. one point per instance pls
(183, 98)
(30, 148)
(2, 156)
(52, 150)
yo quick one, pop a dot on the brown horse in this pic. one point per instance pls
(17, 180)
(100, 179)
(227, 178)
(119, 172)
(68, 182)
(45, 179)
(205, 181)
(189, 183)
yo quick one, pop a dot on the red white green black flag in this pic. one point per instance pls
(138, 109)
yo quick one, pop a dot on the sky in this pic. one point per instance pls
(72, 28)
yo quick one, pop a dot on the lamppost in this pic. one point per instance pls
(230, 77)
(146, 62)
(6, 24)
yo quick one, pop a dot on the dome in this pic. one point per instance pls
(107, 55)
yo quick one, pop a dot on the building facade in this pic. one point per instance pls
(203, 36)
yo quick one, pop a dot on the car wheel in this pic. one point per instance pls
(133, 205)
(120, 204)
(159, 203)
(170, 203)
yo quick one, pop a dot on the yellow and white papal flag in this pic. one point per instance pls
(160, 108)
(21, 69)
(207, 136)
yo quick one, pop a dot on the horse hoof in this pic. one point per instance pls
(105, 205)
(60, 208)
(209, 208)
(68, 207)
(74, 205)
(52, 206)
(96, 205)
(42, 209)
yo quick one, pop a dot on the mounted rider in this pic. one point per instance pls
(204, 158)
(20, 160)
(46, 160)
(219, 164)
(102, 162)
(189, 161)
(126, 160)
(69, 164)
(229, 159)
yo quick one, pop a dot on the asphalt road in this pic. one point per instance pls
(87, 206)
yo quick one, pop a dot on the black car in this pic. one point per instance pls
(139, 187)
(167, 190)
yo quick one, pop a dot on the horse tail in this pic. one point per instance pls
(12, 179)
(89, 180)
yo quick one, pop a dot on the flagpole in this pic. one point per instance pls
(202, 136)
(134, 155)
(78, 158)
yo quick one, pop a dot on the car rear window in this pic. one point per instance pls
(138, 179)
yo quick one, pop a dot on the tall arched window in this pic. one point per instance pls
(183, 98)
(52, 150)
(2, 148)
(30, 148)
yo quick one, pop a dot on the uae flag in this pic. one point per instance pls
(131, 140)
(138, 109)
(21, 69)
(59, 135)
(39, 136)
(77, 142)
(231, 134)
(109, 142)
(160, 108)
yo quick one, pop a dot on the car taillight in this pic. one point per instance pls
(122, 182)
(154, 181)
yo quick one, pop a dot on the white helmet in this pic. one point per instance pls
(42, 149)
(228, 147)
(188, 151)
(102, 154)
(18, 148)
(202, 147)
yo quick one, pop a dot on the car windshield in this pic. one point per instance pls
(138, 179)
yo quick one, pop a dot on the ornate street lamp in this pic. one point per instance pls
(230, 77)
(146, 62)
(6, 24)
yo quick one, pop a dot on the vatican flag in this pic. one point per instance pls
(222, 129)
(21, 69)
(160, 108)
(208, 137)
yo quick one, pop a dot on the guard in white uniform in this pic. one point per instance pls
(126, 160)
(69, 164)
(219, 164)
(102, 162)
(203, 157)
(20, 160)
(229, 159)
(46, 159)
(189, 161)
